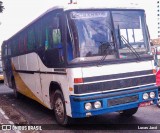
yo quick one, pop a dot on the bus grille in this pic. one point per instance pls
(114, 84)
(123, 100)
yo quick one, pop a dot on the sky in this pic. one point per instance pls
(18, 13)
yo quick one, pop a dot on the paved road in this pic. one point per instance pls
(29, 111)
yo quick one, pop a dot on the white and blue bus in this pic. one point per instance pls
(83, 62)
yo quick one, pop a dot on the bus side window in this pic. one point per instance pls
(56, 32)
(5, 52)
(15, 46)
(69, 47)
(12, 48)
(31, 39)
(54, 55)
(25, 42)
(20, 44)
(39, 34)
(57, 43)
(56, 35)
(9, 50)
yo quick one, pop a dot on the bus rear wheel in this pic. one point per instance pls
(59, 108)
(129, 112)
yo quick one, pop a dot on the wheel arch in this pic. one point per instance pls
(52, 88)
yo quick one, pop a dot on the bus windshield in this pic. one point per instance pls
(108, 33)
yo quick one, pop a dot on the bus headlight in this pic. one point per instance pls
(152, 95)
(97, 104)
(88, 106)
(145, 96)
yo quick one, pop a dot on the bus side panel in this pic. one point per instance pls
(59, 77)
(26, 77)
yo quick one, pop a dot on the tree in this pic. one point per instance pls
(1, 7)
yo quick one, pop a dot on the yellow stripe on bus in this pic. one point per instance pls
(24, 89)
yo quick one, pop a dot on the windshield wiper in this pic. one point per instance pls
(126, 42)
(105, 48)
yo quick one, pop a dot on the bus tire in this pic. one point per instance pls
(59, 108)
(129, 112)
(16, 93)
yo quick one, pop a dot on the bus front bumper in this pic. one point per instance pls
(112, 101)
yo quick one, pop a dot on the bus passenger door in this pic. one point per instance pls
(51, 57)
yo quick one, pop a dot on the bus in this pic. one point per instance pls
(82, 62)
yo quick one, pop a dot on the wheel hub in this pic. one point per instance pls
(59, 108)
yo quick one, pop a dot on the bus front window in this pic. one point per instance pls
(95, 35)
(130, 28)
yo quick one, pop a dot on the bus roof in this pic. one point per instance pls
(110, 5)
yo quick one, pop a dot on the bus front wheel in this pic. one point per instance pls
(129, 112)
(158, 103)
(59, 108)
